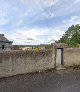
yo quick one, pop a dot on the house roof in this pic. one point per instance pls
(4, 39)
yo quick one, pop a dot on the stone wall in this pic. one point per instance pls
(71, 56)
(7, 46)
(19, 62)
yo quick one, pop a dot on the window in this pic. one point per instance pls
(2, 47)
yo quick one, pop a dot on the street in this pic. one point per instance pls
(59, 81)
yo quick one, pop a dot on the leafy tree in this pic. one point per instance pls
(71, 36)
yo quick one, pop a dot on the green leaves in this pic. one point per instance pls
(71, 36)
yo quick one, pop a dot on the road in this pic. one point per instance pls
(59, 81)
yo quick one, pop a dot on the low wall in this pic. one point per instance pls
(71, 56)
(18, 62)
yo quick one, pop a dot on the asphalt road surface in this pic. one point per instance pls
(60, 81)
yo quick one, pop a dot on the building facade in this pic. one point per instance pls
(5, 44)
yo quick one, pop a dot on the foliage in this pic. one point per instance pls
(48, 47)
(37, 49)
(71, 36)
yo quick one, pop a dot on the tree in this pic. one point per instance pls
(71, 36)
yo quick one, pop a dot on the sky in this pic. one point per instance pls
(37, 21)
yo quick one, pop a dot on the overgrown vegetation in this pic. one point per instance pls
(47, 47)
(71, 36)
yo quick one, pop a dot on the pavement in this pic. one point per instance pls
(50, 81)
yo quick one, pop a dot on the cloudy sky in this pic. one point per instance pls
(37, 21)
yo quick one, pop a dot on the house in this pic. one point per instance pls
(5, 44)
